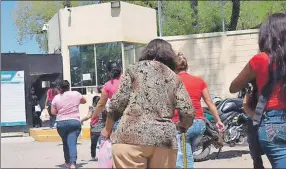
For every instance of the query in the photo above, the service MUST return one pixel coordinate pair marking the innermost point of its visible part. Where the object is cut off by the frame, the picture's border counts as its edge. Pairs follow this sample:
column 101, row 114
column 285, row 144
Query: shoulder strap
column 265, row 95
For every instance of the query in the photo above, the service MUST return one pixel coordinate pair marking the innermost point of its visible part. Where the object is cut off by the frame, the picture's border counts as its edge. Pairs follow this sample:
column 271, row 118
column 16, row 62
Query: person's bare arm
column 210, row 104
column 88, row 116
column 54, row 110
column 46, row 102
column 100, row 105
column 246, row 108
column 245, row 76
column 83, row 100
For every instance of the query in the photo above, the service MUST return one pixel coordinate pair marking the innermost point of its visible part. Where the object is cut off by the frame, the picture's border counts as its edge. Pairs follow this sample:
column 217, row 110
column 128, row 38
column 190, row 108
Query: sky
column 9, row 33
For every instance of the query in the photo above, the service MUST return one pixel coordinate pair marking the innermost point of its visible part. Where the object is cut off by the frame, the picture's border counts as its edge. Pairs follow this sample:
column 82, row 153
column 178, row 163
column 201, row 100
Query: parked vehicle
column 233, row 117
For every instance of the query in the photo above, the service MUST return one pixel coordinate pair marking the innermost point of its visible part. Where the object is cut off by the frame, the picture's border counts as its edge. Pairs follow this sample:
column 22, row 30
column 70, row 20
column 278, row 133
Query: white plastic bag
column 38, row 108
column 105, row 154
column 97, row 149
column 45, row 115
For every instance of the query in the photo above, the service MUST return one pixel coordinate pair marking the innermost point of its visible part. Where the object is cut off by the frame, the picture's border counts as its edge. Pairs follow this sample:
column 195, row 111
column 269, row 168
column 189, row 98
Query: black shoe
column 94, row 159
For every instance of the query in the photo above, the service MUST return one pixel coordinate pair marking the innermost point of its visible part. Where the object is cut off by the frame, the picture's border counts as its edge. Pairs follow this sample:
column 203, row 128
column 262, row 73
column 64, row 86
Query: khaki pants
column 136, row 156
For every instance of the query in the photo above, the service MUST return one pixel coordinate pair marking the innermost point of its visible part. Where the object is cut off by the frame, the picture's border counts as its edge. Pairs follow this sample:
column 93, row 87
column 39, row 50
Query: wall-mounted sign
column 13, row 111
column 86, row 76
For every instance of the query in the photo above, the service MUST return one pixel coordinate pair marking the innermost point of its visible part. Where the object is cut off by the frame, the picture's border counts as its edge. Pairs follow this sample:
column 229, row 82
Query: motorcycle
column 233, row 117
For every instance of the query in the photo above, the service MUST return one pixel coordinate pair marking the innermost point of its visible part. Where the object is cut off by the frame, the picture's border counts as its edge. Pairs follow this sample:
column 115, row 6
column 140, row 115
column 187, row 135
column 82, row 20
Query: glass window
column 138, row 51
column 82, row 66
column 129, row 54
column 88, row 64
column 105, row 53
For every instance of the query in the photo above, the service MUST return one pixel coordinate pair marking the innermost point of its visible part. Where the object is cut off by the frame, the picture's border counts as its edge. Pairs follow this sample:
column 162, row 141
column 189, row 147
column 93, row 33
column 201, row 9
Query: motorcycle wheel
column 201, row 154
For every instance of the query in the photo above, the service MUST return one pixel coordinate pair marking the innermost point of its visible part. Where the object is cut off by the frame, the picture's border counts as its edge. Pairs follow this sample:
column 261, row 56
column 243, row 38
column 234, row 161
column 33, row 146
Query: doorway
column 40, row 83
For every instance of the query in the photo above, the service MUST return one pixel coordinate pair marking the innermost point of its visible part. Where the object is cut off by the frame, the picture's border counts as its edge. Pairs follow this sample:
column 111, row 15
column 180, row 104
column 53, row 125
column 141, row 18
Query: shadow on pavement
column 228, row 154
column 77, row 165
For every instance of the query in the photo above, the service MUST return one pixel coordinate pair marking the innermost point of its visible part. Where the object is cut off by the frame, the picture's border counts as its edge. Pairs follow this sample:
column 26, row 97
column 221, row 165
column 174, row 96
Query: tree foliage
column 179, row 17
column 29, row 17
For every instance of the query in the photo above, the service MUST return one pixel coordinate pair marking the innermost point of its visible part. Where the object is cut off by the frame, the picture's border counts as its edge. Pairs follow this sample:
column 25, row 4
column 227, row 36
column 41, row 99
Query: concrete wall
column 217, row 57
column 54, row 34
column 139, row 24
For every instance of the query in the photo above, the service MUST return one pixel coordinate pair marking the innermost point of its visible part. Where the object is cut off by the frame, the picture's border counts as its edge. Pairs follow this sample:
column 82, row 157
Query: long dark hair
column 54, row 88
column 95, row 100
column 272, row 40
column 64, row 86
column 115, row 69
column 161, row 51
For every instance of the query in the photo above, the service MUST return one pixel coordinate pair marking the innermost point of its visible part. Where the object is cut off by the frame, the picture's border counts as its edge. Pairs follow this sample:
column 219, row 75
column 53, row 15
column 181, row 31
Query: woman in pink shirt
column 66, row 107
column 110, row 87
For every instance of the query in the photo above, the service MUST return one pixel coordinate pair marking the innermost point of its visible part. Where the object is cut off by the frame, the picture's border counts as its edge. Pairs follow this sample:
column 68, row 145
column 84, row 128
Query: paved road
column 24, row 152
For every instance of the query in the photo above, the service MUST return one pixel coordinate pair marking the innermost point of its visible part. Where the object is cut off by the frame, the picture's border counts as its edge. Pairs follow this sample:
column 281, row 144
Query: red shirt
column 259, row 64
column 176, row 116
column 194, row 86
column 50, row 94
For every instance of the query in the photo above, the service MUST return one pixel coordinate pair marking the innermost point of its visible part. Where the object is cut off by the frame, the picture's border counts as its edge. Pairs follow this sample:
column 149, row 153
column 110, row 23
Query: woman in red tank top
column 197, row 89
column 272, row 129
column 51, row 93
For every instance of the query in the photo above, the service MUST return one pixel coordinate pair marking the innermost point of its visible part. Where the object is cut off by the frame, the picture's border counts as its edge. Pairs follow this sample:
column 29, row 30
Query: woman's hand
column 246, row 108
column 245, row 100
column 220, row 126
column 105, row 134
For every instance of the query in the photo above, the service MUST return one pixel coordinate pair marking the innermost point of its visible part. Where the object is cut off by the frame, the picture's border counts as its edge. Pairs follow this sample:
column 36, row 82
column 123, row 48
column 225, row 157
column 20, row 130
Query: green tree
column 253, row 13
column 179, row 17
column 29, row 17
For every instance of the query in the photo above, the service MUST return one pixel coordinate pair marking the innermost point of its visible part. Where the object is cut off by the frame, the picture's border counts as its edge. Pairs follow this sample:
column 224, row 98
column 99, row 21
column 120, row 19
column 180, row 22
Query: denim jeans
column 69, row 131
column 254, row 146
column 193, row 136
column 272, row 137
column 115, row 125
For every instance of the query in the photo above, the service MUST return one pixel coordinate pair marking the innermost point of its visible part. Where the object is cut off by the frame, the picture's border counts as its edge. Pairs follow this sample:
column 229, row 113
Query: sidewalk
column 23, row 152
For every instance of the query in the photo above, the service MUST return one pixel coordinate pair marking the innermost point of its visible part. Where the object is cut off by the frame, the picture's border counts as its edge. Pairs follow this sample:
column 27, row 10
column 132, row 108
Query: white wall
column 54, row 34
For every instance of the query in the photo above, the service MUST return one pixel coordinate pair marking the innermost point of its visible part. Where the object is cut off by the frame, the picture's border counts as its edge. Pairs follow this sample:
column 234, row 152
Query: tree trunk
column 234, row 15
column 194, row 6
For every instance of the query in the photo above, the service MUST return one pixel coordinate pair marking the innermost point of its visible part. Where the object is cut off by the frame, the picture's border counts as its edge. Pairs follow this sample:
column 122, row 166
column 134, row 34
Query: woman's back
column 150, row 105
column 111, row 87
column 259, row 64
column 51, row 93
column 67, row 105
column 194, row 86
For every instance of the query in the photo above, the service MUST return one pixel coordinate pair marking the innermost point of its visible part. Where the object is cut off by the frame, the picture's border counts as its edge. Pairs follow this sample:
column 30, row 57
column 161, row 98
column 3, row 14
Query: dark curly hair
column 161, row 51
column 115, row 69
column 64, row 86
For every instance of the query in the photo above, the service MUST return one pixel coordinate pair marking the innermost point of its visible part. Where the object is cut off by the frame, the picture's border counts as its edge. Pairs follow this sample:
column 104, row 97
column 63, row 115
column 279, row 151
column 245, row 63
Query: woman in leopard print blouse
column 149, row 93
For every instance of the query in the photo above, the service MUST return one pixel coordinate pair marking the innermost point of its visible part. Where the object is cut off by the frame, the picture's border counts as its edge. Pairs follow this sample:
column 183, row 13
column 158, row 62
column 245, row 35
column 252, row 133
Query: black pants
column 94, row 136
column 254, row 146
column 36, row 119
